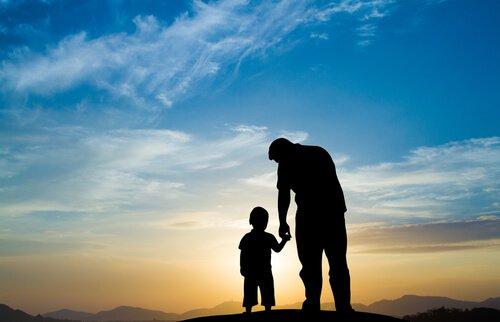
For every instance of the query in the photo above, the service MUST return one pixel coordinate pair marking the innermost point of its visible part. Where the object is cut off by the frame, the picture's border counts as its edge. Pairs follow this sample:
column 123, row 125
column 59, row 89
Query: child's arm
column 243, row 263
column 243, row 256
column 278, row 247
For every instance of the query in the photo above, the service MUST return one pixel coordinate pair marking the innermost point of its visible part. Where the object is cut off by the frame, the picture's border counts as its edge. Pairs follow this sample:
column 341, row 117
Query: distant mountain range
column 411, row 304
column 8, row 314
column 120, row 313
column 129, row 313
column 405, row 305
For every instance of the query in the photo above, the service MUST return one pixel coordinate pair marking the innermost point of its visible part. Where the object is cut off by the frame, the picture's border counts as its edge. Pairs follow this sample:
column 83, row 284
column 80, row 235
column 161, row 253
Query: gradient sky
column 134, row 135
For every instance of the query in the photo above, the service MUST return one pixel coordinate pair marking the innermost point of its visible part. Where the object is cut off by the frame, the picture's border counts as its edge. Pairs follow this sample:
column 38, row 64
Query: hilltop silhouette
column 66, row 314
column 8, row 314
column 297, row 315
column 456, row 315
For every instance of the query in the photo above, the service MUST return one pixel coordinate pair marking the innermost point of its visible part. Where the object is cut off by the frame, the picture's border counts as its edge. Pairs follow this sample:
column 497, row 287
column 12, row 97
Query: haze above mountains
column 405, row 305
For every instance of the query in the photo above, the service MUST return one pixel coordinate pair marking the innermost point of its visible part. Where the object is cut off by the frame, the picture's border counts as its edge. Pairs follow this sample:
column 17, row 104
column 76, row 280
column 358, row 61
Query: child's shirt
column 256, row 252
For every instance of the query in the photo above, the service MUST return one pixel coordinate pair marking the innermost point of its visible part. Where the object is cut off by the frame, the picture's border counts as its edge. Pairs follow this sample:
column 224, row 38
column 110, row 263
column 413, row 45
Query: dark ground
column 296, row 315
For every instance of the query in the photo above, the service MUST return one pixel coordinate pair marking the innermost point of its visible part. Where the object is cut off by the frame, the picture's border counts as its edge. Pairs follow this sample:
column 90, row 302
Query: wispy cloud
column 321, row 36
column 374, row 13
column 366, row 34
column 455, row 179
column 118, row 170
column 158, row 64
column 369, row 9
column 368, row 12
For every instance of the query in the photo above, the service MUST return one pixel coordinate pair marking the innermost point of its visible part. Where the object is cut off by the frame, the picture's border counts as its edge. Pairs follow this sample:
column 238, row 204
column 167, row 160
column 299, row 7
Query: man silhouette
column 320, row 224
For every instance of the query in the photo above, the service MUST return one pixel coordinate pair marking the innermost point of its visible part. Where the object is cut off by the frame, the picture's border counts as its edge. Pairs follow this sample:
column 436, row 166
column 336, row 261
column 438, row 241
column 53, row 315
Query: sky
column 134, row 136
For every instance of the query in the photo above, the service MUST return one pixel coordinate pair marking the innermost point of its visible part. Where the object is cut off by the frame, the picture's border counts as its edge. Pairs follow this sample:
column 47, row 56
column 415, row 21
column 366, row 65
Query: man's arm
column 283, row 204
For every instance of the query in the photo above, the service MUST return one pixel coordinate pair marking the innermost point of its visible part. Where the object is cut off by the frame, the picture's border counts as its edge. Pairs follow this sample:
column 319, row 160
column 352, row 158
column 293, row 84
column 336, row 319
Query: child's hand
column 286, row 237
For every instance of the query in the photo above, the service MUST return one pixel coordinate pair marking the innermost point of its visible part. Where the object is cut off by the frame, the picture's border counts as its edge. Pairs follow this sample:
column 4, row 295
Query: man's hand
column 284, row 231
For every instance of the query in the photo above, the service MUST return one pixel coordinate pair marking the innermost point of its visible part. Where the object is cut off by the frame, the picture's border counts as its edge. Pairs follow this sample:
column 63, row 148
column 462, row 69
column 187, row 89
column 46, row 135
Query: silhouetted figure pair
column 255, row 261
column 308, row 171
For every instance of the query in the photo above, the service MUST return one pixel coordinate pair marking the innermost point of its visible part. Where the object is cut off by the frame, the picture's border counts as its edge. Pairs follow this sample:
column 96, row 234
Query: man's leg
column 310, row 252
column 335, row 249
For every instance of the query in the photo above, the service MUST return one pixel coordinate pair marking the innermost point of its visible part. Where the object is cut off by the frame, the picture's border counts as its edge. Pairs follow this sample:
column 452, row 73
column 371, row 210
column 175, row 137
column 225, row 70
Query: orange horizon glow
column 97, row 281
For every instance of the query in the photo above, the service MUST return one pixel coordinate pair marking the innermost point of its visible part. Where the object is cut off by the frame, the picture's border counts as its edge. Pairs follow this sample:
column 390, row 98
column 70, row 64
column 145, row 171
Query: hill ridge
column 404, row 305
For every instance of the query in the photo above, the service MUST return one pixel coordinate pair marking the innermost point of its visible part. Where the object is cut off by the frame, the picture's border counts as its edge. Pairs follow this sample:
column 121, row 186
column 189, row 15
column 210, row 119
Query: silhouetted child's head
column 259, row 218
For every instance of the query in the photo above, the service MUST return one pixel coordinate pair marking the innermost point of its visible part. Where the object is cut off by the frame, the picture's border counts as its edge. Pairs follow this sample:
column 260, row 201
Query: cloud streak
column 117, row 170
column 430, row 237
column 457, row 179
column 157, row 64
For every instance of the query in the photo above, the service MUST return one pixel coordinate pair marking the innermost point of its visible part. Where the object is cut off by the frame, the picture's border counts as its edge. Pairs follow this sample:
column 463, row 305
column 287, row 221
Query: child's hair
column 259, row 217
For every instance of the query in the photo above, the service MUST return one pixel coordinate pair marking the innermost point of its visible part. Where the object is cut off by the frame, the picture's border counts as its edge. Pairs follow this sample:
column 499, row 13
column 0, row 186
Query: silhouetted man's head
column 280, row 149
column 259, row 218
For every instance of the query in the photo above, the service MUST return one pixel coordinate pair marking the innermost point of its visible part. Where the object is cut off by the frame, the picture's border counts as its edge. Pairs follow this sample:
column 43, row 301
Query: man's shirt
column 310, row 173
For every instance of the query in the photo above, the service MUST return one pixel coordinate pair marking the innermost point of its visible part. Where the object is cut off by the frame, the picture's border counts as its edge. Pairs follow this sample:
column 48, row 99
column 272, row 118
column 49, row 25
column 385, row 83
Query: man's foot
column 268, row 308
column 345, row 310
column 309, row 307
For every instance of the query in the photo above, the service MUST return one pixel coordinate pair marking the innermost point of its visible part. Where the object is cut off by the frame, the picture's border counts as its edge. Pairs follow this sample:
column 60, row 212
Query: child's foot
column 268, row 308
column 248, row 310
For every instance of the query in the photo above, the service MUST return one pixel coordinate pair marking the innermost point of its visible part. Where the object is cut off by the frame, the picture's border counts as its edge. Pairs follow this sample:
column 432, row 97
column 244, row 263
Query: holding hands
column 284, row 231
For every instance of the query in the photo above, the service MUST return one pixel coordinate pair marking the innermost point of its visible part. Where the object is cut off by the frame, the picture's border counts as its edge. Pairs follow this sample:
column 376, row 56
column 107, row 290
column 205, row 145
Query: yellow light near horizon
column 207, row 274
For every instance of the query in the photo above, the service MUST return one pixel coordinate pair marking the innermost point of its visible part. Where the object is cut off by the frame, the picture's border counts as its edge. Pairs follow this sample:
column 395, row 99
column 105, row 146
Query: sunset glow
column 134, row 141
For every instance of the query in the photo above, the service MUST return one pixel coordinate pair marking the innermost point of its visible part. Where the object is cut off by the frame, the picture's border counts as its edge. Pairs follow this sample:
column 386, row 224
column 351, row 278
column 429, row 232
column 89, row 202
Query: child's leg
column 266, row 285
column 249, row 293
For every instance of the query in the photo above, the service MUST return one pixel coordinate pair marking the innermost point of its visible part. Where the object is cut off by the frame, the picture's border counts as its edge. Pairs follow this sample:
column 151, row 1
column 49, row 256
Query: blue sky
column 122, row 122
column 422, row 74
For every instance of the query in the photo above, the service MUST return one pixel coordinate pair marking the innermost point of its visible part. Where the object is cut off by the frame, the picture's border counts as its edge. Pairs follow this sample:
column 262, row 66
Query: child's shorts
column 266, row 284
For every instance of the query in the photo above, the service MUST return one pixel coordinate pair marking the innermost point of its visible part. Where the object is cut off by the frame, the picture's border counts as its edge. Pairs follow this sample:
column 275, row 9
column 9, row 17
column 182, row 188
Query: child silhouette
column 255, row 261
